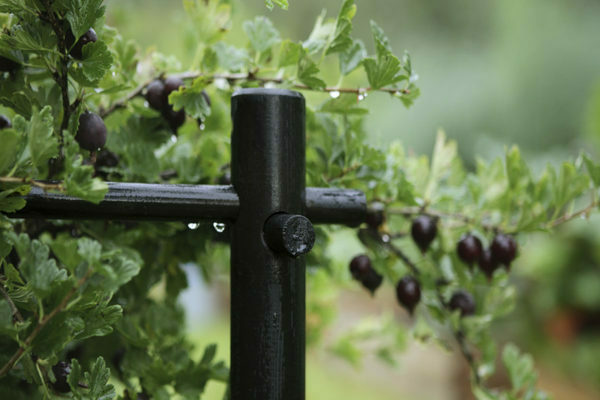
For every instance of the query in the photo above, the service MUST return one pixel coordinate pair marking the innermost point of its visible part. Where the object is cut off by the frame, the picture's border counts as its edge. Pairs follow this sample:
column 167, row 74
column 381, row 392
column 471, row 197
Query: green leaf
column 229, row 57
column 516, row 169
column 74, row 377
column 352, row 57
column 346, row 104
column 81, row 183
column 319, row 37
column 97, row 379
column 444, row 153
column 37, row 268
column 519, row 367
column 341, row 38
column 261, row 33
column 28, row 38
column 192, row 99
column 384, row 71
column 99, row 321
column 592, row 167
column 41, row 142
column 568, row 185
column 290, row 53
column 13, row 144
column 307, row 70
column 281, row 3
column 382, row 43
column 83, row 14
column 96, row 61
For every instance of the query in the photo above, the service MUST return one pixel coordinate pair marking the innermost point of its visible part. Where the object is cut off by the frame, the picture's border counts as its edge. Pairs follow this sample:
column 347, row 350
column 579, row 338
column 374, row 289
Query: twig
column 466, row 352
column 32, row 182
column 569, row 217
column 61, row 77
column 17, row 355
column 396, row 251
column 412, row 211
column 249, row 77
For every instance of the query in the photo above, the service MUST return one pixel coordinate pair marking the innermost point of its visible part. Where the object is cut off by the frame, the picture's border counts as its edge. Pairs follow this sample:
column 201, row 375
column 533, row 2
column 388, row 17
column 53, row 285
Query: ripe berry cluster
column 502, row 251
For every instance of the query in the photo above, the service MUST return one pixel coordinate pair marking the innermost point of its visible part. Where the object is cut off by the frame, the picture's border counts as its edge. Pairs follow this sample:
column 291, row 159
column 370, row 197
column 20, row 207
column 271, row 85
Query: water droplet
column 385, row 238
column 335, row 94
column 193, row 225
column 219, row 227
column 173, row 139
column 413, row 78
column 202, row 127
column 361, row 97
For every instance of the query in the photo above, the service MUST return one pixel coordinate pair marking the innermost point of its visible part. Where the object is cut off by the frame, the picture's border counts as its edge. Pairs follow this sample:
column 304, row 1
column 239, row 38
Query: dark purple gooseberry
column 408, row 292
column 463, row 301
column 469, row 249
column 487, row 263
column 155, row 95
column 8, row 65
column 360, row 266
column 4, row 122
column 423, row 231
column 371, row 281
column 61, row 371
column 91, row 134
column 504, row 249
column 88, row 37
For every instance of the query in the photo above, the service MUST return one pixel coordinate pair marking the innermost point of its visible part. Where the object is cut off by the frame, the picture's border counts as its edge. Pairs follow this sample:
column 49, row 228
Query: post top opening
column 267, row 92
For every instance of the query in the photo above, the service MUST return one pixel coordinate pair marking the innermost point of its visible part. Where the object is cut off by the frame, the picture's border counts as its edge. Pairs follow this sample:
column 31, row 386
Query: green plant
column 110, row 289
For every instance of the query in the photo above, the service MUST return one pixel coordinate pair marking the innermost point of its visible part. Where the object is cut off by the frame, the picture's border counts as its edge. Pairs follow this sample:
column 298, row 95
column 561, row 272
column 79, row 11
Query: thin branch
column 32, row 182
column 249, row 77
column 63, row 304
column 569, row 217
column 468, row 355
column 396, row 251
column 412, row 211
column 61, row 77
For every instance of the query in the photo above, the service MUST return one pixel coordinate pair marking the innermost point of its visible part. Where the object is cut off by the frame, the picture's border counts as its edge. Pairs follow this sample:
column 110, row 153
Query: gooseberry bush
column 89, row 309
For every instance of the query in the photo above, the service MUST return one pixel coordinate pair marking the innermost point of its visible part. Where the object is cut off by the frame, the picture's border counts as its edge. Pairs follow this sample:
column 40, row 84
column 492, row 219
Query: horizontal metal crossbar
column 189, row 203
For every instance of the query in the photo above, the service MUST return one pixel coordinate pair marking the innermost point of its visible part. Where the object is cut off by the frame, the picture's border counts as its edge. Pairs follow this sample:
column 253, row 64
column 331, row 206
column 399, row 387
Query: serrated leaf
column 97, row 379
column 444, row 153
column 96, row 61
column 307, row 70
column 37, row 268
column 384, row 71
column 290, row 53
column 382, row 43
column 593, row 169
column 519, row 367
column 74, row 376
column 81, row 183
column 229, row 57
column 99, row 321
column 83, row 14
column 192, row 99
column 27, row 38
column 261, row 33
column 346, row 104
column 319, row 37
column 41, row 142
column 341, row 38
column 351, row 58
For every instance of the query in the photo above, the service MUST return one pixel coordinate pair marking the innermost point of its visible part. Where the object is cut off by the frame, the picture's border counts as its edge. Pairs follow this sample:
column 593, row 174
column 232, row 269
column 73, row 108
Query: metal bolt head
column 291, row 234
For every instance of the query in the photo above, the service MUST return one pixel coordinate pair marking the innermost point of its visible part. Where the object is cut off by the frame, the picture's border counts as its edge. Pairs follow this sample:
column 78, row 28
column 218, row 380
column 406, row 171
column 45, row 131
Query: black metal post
column 267, row 287
column 189, row 203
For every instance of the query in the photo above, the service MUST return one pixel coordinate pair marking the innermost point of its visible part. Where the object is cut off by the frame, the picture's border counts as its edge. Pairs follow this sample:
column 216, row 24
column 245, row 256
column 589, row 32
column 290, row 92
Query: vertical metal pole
column 267, row 288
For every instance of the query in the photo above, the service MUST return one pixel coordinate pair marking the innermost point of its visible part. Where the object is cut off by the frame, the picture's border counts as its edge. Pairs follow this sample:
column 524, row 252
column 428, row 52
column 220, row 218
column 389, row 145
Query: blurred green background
column 491, row 73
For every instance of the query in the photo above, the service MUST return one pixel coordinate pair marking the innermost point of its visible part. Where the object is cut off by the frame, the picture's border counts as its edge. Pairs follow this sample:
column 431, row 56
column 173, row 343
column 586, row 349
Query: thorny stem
column 249, row 77
column 32, row 182
column 412, row 211
column 17, row 355
column 458, row 335
column 61, row 76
